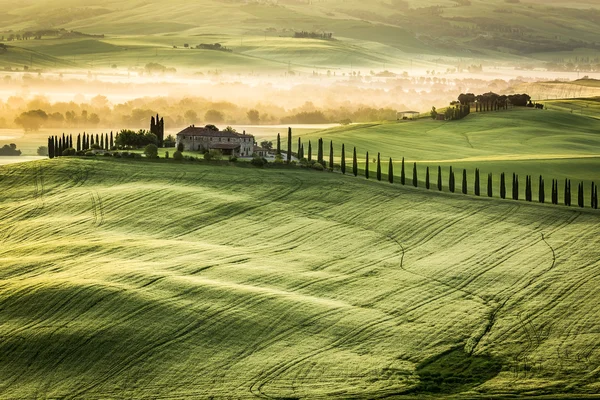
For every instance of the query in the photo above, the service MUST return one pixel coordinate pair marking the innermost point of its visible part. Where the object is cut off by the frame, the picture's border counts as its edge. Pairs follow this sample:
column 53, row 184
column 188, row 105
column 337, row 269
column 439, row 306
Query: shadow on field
column 455, row 371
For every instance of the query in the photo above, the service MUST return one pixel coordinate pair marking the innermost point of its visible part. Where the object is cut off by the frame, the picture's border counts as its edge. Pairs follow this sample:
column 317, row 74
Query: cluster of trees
column 313, row 35
column 492, row 102
column 213, row 46
column 34, row 120
column 10, row 150
column 127, row 139
column 63, row 146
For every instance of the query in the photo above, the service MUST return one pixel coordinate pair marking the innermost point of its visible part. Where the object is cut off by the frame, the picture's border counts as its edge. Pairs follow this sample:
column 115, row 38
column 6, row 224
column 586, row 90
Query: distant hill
column 393, row 31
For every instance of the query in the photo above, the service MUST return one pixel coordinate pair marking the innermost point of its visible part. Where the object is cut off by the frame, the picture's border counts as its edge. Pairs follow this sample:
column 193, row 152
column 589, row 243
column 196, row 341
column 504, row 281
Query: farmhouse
column 203, row 139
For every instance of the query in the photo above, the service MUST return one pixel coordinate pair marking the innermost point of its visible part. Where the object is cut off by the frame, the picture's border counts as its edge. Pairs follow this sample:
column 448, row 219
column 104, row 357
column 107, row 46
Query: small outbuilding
column 404, row 115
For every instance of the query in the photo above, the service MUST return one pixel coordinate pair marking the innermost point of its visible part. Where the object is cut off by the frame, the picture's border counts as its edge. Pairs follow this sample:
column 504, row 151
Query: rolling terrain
column 124, row 279
column 554, row 143
column 400, row 33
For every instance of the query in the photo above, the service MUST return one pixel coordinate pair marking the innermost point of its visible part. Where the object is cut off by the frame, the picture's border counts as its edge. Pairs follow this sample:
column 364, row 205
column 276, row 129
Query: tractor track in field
column 97, row 209
column 247, row 209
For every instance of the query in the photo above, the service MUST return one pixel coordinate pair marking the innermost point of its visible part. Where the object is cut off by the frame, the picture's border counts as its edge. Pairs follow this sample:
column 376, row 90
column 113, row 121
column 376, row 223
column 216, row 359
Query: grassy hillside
column 552, row 143
column 369, row 34
column 129, row 279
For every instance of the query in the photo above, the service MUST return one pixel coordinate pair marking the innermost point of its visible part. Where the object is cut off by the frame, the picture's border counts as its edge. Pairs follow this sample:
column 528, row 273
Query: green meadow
column 553, row 143
column 135, row 279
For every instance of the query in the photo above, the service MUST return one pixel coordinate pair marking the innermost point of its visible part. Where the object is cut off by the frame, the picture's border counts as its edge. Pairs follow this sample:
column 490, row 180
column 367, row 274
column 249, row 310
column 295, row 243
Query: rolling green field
column 553, row 143
column 133, row 279
column 403, row 34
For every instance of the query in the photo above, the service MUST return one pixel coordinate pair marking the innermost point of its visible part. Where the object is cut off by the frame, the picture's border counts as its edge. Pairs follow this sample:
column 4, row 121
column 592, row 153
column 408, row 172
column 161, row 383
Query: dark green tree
column 51, row 151
column 309, row 151
column 289, row 146
column 299, row 148
column 439, row 179
column 343, row 161
column 477, row 188
column 391, row 171
column 490, row 189
column 402, row 173
column 415, row 179
column 451, row 180
column 354, row 163
column 367, row 166
column 580, row 195
column 541, row 191
column 278, row 143
column 97, row 140
column 112, row 143
column 502, row 186
column 427, row 178
column 567, row 194
column 331, row 155
column 79, row 142
column 71, row 141
column 378, row 166
column 101, row 141
column 320, row 152
column 106, row 146
column 464, row 182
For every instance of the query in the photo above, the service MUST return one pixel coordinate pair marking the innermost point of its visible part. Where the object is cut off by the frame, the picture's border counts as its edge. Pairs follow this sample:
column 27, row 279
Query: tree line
column 465, row 185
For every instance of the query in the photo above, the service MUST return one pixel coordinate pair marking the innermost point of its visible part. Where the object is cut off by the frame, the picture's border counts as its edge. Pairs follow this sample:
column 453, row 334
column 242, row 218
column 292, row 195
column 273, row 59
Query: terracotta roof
column 201, row 131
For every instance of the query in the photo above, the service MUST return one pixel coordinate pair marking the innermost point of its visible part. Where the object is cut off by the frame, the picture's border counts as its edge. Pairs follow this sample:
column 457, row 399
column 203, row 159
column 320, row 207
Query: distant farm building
column 204, row 139
column 408, row 114
column 260, row 152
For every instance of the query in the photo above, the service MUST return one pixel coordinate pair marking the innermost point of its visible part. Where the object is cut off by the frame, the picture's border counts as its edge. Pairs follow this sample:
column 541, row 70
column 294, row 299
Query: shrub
column 116, row 155
column 151, row 151
column 178, row 156
column 107, row 154
column 90, row 154
column 213, row 155
column 69, row 152
column 278, row 159
column 95, row 147
column 42, row 151
column 125, row 154
column 318, row 166
column 233, row 159
column 180, row 147
column 258, row 162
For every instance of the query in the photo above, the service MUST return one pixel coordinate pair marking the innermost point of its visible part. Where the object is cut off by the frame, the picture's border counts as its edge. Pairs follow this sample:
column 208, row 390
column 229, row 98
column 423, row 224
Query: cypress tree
column 354, row 163
column 343, row 161
column 63, row 143
column 320, row 151
column 278, row 143
column 367, row 166
column 309, row 151
column 391, row 172
column 515, row 187
column 451, row 180
column 502, row 186
column 527, row 188
column 112, row 144
column 79, row 142
column 596, row 197
column 439, row 179
column 415, row 180
column 477, row 188
column 71, row 141
column 299, row 148
column 402, row 173
column 464, row 182
column 580, row 195
column 97, row 140
column 302, row 151
column 541, row 191
column 51, row 152
column 91, row 140
column 56, row 148
column 101, row 141
column 490, row 190
column 378, row 166
column 567, row 194
column 331, row 155
column 289, row 146
column 592, row 196
column 427, row 178
column 106, row 142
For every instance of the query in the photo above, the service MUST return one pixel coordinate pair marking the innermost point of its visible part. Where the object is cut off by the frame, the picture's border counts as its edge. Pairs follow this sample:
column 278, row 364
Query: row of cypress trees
column 59, row 146
column 464, row 183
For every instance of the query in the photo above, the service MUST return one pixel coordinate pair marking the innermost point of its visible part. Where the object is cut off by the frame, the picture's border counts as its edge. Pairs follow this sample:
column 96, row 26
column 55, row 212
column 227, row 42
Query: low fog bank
column 54, row 100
